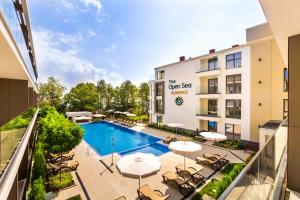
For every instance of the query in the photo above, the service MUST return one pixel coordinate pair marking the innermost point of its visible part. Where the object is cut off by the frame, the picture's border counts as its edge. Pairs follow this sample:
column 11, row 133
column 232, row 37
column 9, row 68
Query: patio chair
column 214, row 164
column 194, row 174
column 146, row 192
column 169, row 139
column 66, row 156
column 182, row 184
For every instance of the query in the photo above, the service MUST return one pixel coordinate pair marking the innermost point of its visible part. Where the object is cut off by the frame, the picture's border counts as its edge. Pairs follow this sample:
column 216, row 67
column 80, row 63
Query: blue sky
column 86, row 40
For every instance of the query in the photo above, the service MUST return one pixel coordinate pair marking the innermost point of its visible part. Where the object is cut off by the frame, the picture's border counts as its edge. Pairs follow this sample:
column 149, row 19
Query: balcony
column 210, row 92
column 16, row 141
column 264, row 176
column 209, row 115
column 204, row 70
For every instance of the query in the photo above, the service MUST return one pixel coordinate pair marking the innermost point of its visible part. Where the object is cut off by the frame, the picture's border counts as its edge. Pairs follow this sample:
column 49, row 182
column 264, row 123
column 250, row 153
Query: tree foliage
column 37, row 191
column 39, row 164
column 59, row 134
column 51, row 93
column 83, row 97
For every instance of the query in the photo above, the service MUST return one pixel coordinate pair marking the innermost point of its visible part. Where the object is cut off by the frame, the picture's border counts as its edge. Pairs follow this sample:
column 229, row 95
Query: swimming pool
column 99, row 136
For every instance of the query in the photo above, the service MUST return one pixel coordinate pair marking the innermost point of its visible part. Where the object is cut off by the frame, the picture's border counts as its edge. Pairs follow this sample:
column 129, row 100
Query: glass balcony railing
column 264, row 173
column 10, row 15
column 212, row 112
column 11, row 134
column 209, row 90
column 205, row 68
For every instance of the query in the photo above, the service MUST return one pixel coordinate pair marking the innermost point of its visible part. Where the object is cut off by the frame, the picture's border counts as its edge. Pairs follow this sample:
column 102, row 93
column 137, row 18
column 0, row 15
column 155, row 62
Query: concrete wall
column 14, row 98
column 266, row 85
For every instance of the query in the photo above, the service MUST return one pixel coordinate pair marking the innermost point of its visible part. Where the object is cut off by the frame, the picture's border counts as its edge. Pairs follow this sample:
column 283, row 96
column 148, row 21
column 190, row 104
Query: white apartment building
column 222, row 91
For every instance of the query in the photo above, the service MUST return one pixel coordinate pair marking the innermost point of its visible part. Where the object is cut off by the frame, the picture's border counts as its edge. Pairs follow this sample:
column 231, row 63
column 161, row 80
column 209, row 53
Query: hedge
column 39, row 163
column 55, row 183
column 188, row 133
column 37, row 191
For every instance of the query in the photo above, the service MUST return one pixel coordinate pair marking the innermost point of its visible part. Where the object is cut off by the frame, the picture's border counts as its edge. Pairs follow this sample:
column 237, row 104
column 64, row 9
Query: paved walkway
column 100, row 183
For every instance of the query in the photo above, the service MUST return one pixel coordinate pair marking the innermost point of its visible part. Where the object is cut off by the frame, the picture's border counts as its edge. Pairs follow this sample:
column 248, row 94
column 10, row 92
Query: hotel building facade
column 18, row 92
column 232, row 91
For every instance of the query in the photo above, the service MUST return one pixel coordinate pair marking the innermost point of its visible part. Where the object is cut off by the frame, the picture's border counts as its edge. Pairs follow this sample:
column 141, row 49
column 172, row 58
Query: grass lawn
column 140, row 117
column 55, row 184
column 77, row 197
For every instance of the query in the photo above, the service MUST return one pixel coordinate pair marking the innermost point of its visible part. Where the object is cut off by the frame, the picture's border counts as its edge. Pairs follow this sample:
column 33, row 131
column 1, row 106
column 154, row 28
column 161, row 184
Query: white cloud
column 111, row 48
column 67, row 65
column 96, row 3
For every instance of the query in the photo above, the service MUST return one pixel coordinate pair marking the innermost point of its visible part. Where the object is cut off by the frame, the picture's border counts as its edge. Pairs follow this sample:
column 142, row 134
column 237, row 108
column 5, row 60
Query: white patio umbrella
column 214, row 136
column 139, row 164
column 184, row 147
column 130, row 115
column 175, row 125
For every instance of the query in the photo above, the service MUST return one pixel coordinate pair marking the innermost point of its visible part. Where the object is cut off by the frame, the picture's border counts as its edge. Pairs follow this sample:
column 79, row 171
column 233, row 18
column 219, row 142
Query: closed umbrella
column 138, row 165
column 184, row 147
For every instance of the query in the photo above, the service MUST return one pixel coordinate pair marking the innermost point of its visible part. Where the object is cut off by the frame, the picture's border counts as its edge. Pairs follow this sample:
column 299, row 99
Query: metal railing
column 262, row 177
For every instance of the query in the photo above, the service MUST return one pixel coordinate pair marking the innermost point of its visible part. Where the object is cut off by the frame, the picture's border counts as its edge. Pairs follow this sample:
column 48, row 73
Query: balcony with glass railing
column 7, row 10
column 211, row 112
column 11, row 135
column 263, row 177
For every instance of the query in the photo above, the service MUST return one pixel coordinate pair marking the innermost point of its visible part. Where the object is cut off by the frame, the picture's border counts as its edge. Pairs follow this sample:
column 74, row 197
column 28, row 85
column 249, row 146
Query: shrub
column 39, row 164
column 197, row 196
column 230, row 144
column 77, row 197
column 55, row 184
column 37, row 191
column 188, row 133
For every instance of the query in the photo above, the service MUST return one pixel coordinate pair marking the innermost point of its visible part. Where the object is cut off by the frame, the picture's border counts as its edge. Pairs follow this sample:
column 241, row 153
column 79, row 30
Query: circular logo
column 179, row 101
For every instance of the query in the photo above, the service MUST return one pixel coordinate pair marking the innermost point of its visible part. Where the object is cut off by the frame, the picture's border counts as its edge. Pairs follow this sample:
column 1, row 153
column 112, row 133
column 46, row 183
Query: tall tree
column 83, row 97
column 51, row 93
column 143, row 97
column 128, row 95
column 101, row 88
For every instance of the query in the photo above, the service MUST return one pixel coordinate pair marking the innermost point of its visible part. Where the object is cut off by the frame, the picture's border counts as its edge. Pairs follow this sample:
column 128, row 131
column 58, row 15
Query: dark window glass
column 159, row 89
column 233, row 108
column 212, row 86
column 159, row 106
column 233, row 130
column 285, row 80
column 234, row 60
column 212, row 126
column 212, row 64
column 233, row 84
column 212, row 107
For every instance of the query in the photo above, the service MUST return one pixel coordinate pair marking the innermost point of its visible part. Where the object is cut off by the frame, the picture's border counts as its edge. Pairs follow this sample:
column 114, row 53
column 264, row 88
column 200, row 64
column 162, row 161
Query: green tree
column 143, row 98
column 51, row 93
column 127, row 95
column 59, row 134
column 39, row 164
column 83, row 97
column 109, row 98
column 101, row 89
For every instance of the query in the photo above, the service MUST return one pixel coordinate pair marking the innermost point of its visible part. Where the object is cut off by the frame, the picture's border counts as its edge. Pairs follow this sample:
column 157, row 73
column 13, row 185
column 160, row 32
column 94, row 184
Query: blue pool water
column 99, row 136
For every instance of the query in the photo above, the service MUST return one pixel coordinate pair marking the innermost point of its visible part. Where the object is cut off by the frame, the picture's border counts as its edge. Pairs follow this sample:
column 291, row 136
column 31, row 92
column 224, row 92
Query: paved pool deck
column 100, row 183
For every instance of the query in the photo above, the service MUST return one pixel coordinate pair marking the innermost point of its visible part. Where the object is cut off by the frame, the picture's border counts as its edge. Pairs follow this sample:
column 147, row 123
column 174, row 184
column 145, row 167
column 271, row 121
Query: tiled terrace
column 100, row 183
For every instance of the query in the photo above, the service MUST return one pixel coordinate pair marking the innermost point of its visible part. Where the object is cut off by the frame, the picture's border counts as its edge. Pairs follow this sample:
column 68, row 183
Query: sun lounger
column 191, row 172
column 215, row 165
column 54, row 168
column 169, row 139
column 146, row 192
column 182, row 184
column 218, row 157
column 66, row 156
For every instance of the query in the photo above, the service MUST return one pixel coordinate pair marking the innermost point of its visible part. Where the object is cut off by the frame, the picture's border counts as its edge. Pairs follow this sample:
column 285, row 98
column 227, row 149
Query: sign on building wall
column 178, row 88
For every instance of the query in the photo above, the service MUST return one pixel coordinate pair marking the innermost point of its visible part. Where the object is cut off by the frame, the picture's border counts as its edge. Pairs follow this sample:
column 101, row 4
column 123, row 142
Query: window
column 234, row 84
column 213, row 86
column 160, row 75
column 285, row 108
column 212, row 126
column 233, row 108
column 159, row 107
column 212, row 64
column 233, row 131
column 234, row 60
column 212, row 107
column 285, row 80
column 159, row 89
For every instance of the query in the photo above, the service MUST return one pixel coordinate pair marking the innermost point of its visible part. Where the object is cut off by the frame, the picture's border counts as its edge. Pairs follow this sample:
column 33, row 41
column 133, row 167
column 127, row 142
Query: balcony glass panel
column 11, row 134
column 8, row 11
